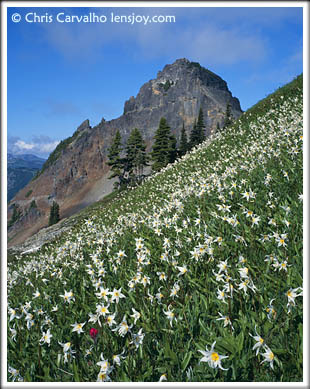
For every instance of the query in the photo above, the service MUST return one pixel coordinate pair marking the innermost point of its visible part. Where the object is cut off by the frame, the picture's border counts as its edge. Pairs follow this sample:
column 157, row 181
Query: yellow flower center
column 261, row 340
column 215, row 357
column 271, row 355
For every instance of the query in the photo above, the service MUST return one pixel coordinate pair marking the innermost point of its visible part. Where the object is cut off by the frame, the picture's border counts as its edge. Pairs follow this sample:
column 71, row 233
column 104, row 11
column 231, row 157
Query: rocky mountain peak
column 75, row 175
column 83, row 126
column 183, row 68
column 182, row 80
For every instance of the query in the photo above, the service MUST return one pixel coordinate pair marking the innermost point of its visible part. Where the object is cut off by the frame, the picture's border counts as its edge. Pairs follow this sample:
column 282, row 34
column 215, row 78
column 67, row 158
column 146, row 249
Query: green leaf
column 186, row 360
column 239, row 340
column 76, row 373
column 204, row 300
column 207, row 332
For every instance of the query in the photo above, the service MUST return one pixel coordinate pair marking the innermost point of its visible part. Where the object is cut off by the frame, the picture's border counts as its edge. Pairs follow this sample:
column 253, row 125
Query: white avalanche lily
column 212, row 357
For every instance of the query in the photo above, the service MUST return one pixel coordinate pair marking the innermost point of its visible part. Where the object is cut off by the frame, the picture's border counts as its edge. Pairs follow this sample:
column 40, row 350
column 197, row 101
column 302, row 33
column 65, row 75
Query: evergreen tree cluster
column 127, row 162
column 128, row 168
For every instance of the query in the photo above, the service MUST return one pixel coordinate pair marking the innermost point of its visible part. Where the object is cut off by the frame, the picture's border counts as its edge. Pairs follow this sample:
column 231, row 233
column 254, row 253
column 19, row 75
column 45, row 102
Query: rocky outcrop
column 76, row 172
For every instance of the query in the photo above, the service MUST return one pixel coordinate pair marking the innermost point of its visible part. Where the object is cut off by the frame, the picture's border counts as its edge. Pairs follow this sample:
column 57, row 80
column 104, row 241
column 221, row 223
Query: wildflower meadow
column 196, row 275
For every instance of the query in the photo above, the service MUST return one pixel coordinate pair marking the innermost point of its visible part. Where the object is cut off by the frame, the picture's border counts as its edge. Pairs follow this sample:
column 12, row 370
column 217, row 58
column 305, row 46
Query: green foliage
column 17, row 214
column 33, row 204
column 136, row 156
column 228, row 120
column 184, row 146
column 54, row 214
column 53, row 157
column 166, row 85
column 164, row 147
column 197, row 135
column 196, row 65
column 114, row 154
column 173, row 148
column 28, row 193
column 231, row 214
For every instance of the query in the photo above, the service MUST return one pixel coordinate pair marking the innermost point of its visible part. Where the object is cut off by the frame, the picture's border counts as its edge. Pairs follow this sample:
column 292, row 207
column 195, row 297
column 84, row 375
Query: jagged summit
column 183, row 87
column 184, row 66
column 75, row 175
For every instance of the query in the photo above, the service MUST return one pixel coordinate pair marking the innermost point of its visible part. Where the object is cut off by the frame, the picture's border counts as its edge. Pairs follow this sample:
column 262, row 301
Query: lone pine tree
column 164, row 147
column 115, row 161
column 228, row 116
column 197, row 135
column 183, row 142
column 136, row 157
column 54, row 214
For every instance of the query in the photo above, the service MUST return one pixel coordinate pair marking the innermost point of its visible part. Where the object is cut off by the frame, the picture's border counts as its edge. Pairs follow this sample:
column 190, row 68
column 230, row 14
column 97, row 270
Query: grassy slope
column 226, row 201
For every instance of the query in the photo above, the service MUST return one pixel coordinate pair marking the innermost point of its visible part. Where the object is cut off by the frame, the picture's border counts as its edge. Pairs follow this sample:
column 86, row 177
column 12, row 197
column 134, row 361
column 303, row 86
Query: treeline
column 129, row 161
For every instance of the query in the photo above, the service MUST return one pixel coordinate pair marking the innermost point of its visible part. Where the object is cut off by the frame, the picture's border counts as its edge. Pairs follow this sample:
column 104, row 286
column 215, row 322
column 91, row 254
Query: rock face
column 75, row 174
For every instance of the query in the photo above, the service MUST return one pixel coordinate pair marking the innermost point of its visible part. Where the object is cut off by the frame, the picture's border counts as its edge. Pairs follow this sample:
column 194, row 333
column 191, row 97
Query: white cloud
column 40, row 145
column 20, row 144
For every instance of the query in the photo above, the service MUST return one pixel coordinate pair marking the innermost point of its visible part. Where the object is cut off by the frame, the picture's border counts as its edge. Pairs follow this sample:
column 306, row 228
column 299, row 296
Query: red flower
column 93, row 333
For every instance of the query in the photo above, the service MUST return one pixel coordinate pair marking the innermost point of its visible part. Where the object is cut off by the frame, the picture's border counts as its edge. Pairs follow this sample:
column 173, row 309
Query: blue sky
column 60, row 74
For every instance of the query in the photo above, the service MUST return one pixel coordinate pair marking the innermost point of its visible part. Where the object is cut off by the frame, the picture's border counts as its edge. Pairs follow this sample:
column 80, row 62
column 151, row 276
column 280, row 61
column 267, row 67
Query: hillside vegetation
column 195, row 275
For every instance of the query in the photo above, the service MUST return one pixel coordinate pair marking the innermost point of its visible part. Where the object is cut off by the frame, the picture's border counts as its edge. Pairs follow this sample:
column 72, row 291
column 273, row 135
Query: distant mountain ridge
column 21, row 169
column 75, row 174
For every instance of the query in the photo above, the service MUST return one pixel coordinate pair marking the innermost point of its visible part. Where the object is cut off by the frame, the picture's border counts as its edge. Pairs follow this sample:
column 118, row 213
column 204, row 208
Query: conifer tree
column 193, row 138
column 228, row 116
column 200, row 127
column 136, row 157
column 164, row 147
column 183, row 142
column 54, row 214
column 115, row 160
column 197, row 135
column 173, row 153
